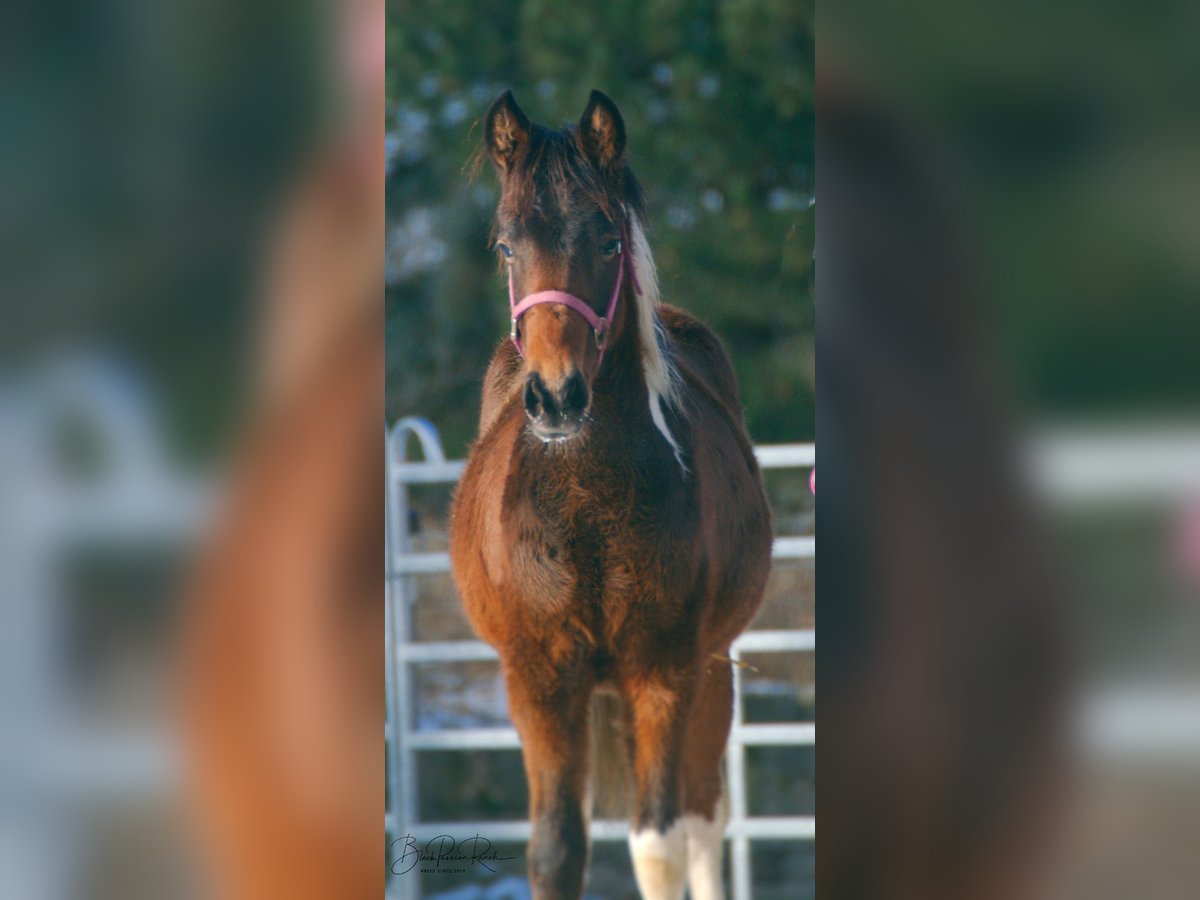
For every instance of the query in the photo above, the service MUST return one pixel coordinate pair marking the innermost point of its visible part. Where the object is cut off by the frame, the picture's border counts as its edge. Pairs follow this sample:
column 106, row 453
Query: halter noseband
column 600, row 324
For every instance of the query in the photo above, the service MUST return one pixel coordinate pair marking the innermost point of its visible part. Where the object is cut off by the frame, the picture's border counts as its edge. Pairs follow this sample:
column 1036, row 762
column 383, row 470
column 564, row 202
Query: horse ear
column 603, row 131
column 506, row 131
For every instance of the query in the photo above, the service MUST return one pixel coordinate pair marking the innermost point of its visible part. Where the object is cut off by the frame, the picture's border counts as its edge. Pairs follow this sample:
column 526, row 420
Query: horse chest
column 580, row 552
column 558, row 561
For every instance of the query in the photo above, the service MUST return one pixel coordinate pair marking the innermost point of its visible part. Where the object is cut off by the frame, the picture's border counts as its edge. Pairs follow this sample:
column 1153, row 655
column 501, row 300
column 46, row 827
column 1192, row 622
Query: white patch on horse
column 660, row 862
column 587, row 807
column 705, row 845
column 662, row 382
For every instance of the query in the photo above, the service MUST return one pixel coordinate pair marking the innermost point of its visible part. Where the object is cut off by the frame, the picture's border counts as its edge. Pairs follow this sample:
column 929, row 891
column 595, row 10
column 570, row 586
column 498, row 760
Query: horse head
column 562, row 231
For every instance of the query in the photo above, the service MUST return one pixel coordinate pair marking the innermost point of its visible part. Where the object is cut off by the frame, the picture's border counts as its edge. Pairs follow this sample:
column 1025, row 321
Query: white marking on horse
column 660, row 862
column 705, row 845
column 662, row 382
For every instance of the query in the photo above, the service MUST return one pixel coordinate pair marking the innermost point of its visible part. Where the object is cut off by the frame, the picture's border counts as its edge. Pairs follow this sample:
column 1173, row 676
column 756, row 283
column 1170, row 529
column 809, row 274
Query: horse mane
column 658, row 368
column 555, row 161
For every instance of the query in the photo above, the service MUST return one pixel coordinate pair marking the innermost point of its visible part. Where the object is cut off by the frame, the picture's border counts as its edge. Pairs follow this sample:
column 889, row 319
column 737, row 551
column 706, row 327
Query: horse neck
column 621, row 376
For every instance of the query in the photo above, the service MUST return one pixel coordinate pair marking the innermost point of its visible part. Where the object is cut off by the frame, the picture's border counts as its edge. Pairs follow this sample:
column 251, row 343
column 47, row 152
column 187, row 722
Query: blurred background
column 152, row 155
column 1010, row 449
column 718, row 103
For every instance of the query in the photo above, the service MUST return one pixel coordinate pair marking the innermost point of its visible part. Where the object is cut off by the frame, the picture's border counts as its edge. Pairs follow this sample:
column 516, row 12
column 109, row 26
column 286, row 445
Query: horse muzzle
column 556, row 413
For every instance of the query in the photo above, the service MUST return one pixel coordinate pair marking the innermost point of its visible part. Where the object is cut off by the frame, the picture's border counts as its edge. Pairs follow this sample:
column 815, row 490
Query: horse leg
column 551, row 716
column 659, row 703
column 705, row 812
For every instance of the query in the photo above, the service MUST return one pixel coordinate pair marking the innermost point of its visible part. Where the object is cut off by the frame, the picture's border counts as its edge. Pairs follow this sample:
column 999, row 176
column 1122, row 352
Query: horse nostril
column 537, row 398
column 574, row 395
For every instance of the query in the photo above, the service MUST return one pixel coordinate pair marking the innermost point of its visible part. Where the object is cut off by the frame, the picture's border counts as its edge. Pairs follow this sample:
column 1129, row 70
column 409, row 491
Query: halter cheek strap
column 600, row 324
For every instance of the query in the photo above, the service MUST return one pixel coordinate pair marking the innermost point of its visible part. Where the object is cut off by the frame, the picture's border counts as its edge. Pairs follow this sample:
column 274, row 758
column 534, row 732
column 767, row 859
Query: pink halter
column 600, row 324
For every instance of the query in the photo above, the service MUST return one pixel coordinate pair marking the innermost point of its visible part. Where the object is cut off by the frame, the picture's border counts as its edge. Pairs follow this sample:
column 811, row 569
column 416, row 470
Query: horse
column 610, row 533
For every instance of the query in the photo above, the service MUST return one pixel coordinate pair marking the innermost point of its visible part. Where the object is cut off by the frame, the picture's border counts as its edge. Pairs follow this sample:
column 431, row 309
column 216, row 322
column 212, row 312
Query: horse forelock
column 554, row 176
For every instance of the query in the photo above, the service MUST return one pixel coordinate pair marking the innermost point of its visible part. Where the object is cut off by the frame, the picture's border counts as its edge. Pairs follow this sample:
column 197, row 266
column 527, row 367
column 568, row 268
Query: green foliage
column 718, row 104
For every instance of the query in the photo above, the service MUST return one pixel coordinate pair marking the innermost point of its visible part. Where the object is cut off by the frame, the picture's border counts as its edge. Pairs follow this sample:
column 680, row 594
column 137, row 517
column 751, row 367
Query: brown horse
column 611, row 529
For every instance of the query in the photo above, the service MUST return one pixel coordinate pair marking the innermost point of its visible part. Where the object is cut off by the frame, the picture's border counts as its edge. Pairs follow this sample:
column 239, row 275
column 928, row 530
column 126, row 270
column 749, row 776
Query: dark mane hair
column 556, row 163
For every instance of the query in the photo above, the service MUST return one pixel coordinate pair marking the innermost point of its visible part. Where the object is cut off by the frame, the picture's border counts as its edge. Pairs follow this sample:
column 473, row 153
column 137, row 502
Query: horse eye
column 506, row 250
column 610, row 248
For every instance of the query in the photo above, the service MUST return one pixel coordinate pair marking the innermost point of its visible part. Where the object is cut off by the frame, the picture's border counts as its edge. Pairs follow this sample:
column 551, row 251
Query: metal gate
column 404, row 653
